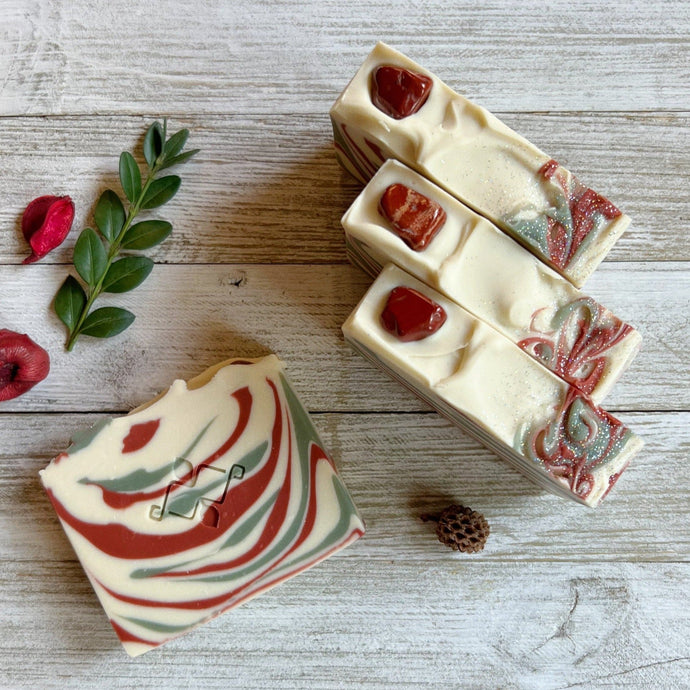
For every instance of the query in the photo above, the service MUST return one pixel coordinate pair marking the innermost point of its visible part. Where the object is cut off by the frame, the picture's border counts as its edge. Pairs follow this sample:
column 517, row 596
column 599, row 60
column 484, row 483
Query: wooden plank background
column 562, row 596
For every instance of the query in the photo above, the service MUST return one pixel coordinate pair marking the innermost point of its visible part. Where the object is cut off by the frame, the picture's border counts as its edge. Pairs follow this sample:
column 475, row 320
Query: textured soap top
column 470, row 260
column 212, row 493
column 491, row 388
column 417, row 119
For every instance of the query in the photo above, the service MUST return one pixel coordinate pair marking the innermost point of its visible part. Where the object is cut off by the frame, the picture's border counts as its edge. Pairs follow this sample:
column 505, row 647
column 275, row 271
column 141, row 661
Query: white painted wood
column 349, row 622
column 562, row 596
column 191, row 316
column 269, row 190
column 399, row 466
column 66, row 57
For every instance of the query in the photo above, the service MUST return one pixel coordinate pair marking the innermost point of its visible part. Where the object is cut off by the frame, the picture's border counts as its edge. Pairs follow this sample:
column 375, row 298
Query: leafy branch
column 97, row 253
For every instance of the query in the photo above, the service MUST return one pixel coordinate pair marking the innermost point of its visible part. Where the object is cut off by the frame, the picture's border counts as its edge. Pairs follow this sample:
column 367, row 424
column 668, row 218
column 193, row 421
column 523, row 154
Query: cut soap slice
column 476, row 158
column 475, row 264
column 208, row 495
column 488, row 386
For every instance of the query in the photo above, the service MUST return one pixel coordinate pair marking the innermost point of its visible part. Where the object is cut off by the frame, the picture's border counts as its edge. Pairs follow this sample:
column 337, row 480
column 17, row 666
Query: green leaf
column 153, row 143
column 109, row 215
column 107, row 322
column 169, row 162
column 130, row 177
column 161, row 191
column 69, row 302
column 147, row 234
column 90, row 258
column 125, row 274
column 176, row 143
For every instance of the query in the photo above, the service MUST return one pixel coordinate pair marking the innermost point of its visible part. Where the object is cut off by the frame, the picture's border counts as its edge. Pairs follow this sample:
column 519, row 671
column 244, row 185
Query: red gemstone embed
column 414, row 217
column 410, row 315
column 398, row 92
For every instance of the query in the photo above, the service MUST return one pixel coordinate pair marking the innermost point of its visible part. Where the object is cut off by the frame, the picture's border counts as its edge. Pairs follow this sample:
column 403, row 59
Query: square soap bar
column 393, row 108
column 470, row 260
column 488, row 386
column 208, row 495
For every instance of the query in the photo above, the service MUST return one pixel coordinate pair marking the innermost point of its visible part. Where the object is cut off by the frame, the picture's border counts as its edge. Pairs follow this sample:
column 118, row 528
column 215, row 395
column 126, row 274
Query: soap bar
column 393, row 108
column 475, row 264
column 488, row 386
column 212, row 493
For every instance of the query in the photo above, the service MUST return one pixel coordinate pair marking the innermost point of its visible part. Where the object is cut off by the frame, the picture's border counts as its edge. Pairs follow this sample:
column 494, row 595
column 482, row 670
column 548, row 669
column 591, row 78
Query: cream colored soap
column 488, row 386
column 475, row 157
column 475, row 264
column 194, row 503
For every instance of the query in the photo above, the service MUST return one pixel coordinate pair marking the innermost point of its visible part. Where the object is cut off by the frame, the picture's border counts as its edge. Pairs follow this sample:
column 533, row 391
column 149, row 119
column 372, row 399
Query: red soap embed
column 398, row 92
column 414, row 217
column 410, row 315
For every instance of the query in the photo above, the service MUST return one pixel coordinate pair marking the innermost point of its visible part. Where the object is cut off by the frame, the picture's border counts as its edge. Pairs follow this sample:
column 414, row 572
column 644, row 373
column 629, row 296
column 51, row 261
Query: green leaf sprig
column 97, row 253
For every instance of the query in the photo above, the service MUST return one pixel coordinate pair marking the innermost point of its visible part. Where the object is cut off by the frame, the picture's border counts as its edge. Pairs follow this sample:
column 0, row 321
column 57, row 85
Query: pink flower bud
column 23, row 364
column 46, row 223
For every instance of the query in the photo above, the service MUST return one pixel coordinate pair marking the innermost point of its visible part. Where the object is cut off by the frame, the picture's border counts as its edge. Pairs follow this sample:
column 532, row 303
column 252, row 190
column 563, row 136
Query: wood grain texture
column 268, row 189
column 400, row 466
column 190, row 317
column 62, row 57
column 562, row 596
column 441, row 624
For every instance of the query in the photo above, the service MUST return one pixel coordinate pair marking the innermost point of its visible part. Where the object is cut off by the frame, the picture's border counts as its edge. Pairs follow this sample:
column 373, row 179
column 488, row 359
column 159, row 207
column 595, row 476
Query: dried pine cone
column 461, row 528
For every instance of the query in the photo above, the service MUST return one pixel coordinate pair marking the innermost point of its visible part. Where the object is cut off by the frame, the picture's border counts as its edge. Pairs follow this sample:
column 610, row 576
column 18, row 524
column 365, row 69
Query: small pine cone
column 463, row 529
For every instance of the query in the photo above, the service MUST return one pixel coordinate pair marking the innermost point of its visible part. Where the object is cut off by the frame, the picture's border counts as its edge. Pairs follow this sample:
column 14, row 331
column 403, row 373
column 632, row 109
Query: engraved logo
column 183, row 498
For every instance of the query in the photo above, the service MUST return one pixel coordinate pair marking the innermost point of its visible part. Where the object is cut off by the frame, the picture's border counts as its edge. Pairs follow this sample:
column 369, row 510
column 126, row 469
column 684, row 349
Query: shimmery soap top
column 488, row 273
column 478, row 159
column 491, row 388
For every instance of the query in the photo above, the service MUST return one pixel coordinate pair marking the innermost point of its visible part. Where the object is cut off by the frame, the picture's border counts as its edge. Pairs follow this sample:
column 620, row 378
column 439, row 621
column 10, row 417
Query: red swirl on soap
column 415, row 218
column 140, row 435
column 398, row 92
column 410, row 315
column 565, row 236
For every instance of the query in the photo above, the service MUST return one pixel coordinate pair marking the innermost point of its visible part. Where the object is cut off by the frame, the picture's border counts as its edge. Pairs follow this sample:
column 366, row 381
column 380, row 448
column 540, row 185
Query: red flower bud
column 23, row 364
column 45, row 224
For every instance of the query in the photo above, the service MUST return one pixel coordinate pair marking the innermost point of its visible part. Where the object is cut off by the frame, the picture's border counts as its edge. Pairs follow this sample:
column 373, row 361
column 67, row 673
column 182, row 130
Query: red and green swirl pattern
column 577, row 446
column 177, row 522
column 578, row 342
column 575, row 217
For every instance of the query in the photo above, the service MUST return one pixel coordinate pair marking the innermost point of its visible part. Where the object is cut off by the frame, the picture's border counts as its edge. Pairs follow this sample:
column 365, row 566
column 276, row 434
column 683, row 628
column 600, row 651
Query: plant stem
column 112, row 253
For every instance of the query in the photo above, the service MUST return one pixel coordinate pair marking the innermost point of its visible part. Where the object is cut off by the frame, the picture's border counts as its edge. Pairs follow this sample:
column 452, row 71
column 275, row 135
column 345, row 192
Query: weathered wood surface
column 191, row 316
column 446, row 623
column 400, row 466
column 270, row 190
column 65, row 57
column 562, row 596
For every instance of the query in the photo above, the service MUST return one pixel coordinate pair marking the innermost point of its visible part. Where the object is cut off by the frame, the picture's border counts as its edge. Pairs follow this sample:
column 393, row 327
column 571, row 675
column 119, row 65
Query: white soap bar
column 475, row 264
column 475, row 157
column 488, row 386
column 214, row 492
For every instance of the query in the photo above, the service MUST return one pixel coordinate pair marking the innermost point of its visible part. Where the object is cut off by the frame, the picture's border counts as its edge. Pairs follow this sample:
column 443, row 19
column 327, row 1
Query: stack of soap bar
column 402, row 217
column 481, row 381
column 393, row 108
column 212, row 493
